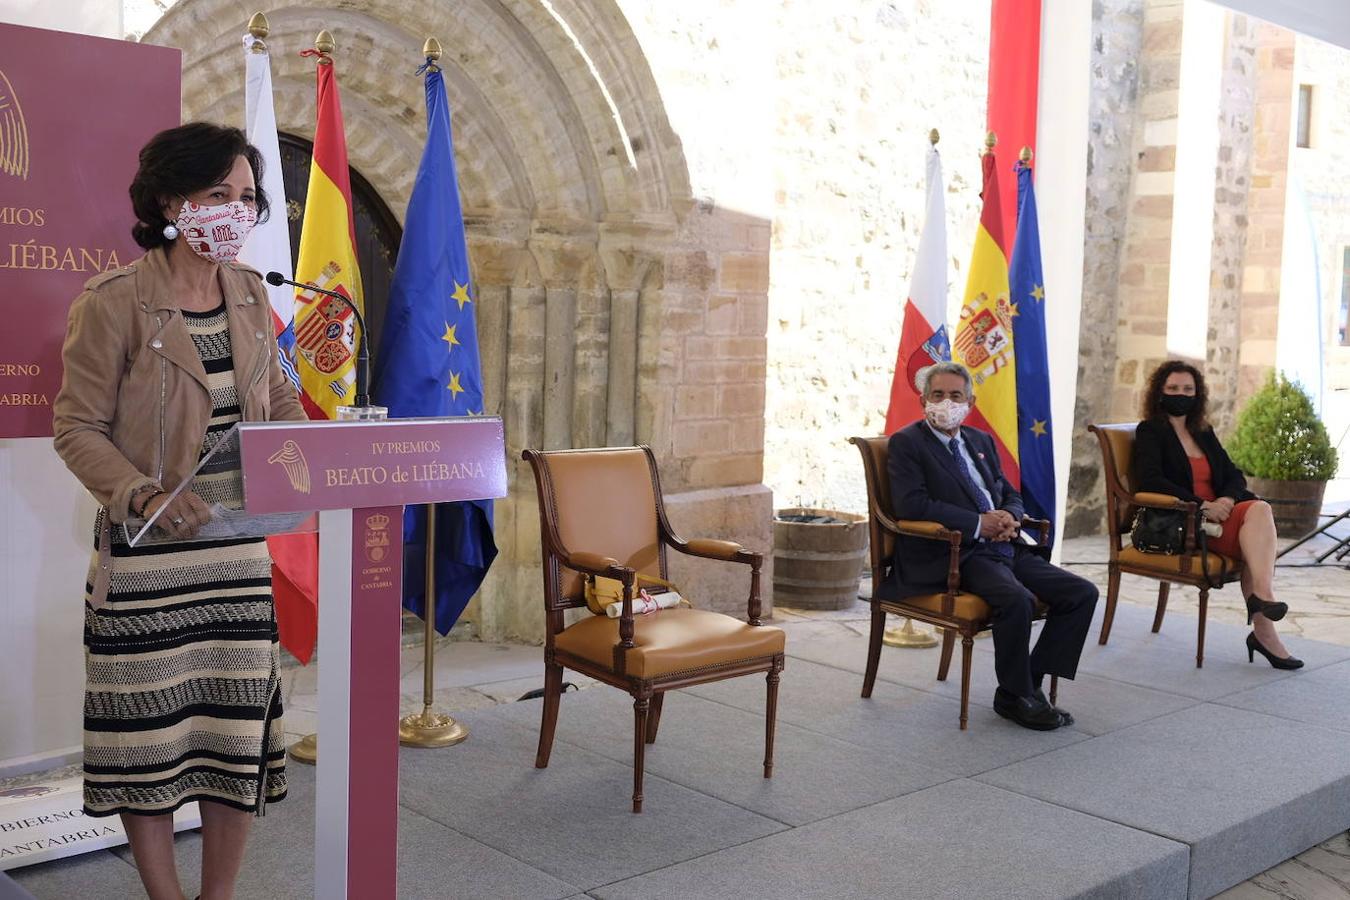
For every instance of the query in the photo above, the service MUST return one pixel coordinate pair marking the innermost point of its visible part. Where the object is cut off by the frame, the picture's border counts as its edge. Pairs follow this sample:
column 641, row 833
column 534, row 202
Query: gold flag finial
column 259, row 28
column 990, row 142
column 325, row 45
column 432, row 49
column 1025, row 155
column 933, row 137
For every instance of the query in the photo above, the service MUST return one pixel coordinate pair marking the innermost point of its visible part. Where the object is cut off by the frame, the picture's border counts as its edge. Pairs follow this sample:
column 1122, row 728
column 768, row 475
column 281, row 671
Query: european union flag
column 1036, row 451
column 428, row 364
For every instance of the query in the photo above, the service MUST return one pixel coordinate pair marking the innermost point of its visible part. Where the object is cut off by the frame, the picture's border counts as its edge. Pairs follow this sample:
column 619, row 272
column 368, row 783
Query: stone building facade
column 693, row 224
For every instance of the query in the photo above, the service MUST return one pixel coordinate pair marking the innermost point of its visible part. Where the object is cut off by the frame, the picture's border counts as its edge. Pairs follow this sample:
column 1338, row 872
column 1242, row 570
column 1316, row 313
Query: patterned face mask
column 216, row 233
column 947, row 415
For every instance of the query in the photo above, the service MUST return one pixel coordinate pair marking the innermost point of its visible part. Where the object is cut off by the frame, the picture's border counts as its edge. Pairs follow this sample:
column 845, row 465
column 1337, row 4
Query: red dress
column 1225, row 544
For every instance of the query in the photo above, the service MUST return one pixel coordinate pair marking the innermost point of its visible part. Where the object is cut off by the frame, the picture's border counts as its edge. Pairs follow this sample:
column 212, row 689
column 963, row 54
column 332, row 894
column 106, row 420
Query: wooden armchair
column 601, row 513
column 1117, row 445
column 954, row 611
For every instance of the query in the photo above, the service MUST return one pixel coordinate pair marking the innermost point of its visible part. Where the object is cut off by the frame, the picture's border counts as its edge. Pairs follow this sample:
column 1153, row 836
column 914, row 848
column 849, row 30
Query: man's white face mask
column 946, row 415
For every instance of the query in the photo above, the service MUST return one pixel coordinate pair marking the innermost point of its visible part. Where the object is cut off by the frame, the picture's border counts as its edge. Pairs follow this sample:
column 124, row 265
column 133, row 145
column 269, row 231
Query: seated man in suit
column 943, row 472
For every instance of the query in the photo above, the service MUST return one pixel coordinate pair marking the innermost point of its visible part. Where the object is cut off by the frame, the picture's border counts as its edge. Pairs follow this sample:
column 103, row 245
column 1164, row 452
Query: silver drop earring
column 171, row 232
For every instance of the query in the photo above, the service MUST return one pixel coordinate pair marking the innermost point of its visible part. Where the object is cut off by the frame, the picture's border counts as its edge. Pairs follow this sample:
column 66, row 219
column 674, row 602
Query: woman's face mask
column 1178, row 404
column 216, row 233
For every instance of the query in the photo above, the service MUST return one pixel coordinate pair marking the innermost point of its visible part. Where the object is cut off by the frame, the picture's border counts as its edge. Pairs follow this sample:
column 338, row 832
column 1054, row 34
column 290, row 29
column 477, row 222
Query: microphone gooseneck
column 362, row 349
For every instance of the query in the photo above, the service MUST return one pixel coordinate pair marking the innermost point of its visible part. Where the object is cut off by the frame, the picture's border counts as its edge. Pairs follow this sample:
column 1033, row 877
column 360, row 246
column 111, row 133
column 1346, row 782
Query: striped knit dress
column 182, row 700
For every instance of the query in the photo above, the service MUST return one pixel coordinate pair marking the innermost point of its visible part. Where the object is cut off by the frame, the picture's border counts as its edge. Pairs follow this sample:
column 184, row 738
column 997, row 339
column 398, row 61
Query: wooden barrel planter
column 818, row 557
column 1296, row 504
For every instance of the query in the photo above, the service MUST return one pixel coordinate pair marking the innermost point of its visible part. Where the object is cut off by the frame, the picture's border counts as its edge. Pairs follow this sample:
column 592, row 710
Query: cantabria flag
column 924, row 338
column 984, row 336
column 324, row 327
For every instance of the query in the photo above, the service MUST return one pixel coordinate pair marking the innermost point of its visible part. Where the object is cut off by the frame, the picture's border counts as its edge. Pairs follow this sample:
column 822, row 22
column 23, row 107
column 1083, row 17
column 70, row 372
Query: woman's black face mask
column 1178, row 404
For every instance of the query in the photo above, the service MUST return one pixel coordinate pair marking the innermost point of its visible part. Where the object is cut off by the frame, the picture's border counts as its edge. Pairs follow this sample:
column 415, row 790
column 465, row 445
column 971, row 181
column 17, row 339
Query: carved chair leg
column 874, row 648
column 552, row 697
column 1054, row 689
column 654, row 717
column 945, row 661
column 770, row 721
column 1112, row 594
column 967, row 644
column 640, row 707
column 1163, row 590
column 1200, row 636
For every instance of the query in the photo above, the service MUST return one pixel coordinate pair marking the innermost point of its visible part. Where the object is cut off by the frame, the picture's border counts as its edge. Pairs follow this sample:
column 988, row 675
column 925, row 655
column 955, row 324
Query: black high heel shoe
column 1272, row 611
column 1254, row 647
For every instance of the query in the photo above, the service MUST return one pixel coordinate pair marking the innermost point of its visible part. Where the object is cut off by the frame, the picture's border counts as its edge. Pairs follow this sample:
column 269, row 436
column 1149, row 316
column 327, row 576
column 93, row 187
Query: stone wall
column 858, row 86
column 1117, row 39
column 620, row 289
column 1324, row 170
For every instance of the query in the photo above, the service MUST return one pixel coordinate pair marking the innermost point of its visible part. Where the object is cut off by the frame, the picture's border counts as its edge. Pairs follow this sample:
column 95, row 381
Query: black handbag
column 1160, row 531
column 1164, row 531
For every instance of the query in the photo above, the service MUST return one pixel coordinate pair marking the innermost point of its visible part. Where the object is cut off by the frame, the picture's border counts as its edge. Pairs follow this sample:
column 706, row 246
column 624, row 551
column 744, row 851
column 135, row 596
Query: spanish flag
column 984, row 334
column 324, row 327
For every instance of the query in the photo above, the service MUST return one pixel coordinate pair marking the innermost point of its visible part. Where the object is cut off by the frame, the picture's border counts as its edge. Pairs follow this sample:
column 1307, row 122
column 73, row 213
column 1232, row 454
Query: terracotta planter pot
column 1295, row 503
column 816, row 565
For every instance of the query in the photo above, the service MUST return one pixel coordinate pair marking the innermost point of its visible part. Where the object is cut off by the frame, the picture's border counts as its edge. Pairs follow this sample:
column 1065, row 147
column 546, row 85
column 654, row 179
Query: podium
column 358, row 476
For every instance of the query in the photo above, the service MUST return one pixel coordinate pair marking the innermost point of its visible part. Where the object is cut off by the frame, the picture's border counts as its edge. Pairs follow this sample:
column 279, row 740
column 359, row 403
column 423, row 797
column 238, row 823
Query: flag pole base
column 909, row 636
column 430, row 729
column 306, row 750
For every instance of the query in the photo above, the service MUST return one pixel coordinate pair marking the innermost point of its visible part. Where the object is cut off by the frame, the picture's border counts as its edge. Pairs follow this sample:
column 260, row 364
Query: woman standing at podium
column 182, row 700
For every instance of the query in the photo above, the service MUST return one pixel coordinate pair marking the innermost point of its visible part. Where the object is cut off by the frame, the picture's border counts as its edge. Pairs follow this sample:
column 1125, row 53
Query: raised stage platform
column 1175, row 782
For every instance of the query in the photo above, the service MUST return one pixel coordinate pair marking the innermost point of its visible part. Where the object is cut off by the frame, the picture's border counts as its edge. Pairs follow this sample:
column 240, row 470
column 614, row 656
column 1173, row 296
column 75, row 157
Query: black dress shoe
column 1065, row 717
column 1029, row 712
column 1272, row 611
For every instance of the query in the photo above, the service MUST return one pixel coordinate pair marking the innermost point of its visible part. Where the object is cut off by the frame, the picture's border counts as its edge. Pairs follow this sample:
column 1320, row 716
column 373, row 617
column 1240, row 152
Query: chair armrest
column 1040, row 526
column 710, row 548
column 1161, row 501
column 933, row 531
column 595, row 564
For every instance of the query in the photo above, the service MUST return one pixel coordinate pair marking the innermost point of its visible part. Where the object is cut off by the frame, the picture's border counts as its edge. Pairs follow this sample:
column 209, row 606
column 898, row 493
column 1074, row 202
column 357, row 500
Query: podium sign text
column 295, row 467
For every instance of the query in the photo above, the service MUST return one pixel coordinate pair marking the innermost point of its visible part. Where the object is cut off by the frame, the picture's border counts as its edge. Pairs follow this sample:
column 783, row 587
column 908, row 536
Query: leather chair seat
column 671, row 641
column 1215, row 565
column 964, row 606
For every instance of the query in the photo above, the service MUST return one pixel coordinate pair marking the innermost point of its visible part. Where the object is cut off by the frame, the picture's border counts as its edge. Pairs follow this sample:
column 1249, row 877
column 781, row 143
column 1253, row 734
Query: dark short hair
column 1197, row 420
column 182, row 161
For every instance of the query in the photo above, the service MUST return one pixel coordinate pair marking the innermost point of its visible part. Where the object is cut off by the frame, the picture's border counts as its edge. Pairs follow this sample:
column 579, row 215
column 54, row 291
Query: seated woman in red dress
column 1177, row 453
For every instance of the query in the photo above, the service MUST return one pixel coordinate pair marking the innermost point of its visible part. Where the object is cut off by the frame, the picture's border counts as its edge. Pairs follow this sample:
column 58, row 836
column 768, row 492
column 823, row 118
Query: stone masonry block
column 746, row 273
column 697, row 438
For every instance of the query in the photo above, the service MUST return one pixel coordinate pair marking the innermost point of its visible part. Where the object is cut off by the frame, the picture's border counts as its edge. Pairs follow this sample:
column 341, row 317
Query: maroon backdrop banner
column 74, row 113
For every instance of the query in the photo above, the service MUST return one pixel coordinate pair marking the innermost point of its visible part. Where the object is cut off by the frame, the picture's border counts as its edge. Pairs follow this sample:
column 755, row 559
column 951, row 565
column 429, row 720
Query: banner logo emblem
column 293, row 461
column 13, row 132
column 377, row 537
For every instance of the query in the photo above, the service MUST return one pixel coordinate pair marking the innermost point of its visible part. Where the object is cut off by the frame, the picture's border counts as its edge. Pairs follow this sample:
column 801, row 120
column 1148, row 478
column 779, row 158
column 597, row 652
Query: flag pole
column 907, row 635
column 306, row 750
column 430, row 728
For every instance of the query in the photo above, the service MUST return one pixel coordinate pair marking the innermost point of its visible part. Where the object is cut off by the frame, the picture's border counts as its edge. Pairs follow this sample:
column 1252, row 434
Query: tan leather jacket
column 133, row 405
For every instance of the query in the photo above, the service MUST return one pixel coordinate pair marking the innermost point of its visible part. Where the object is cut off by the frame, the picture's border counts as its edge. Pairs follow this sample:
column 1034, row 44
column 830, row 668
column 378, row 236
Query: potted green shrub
column 1284, row 449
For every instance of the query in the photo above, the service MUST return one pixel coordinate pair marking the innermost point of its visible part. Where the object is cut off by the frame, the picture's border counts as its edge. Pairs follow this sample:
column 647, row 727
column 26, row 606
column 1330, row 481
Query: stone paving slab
column 74, row 876
column 280, row 858
column 957, row 840
column 1319, row 697
column 719, row 750
column 572, row 820
column 1244, row 790
column 912, row 725
column 1098, row 704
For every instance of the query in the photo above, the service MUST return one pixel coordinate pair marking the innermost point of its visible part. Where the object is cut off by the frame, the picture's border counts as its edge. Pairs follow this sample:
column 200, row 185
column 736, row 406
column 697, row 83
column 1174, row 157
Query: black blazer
column 927, row 485
column 1161, row 466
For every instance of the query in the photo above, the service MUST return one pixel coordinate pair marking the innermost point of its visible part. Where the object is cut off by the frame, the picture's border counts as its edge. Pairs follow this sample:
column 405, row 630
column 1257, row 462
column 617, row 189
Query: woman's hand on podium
column 185, row 516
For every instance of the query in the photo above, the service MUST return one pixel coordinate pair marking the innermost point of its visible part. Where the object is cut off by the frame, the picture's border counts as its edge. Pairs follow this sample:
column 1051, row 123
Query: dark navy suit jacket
column 927, row 485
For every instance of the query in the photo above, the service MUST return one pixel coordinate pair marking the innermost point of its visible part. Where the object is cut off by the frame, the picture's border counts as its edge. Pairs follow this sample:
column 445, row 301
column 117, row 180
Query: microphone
column 362, row 350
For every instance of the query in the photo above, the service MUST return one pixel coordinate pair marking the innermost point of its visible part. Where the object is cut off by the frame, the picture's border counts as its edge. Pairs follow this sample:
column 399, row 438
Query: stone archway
column 588, row 251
